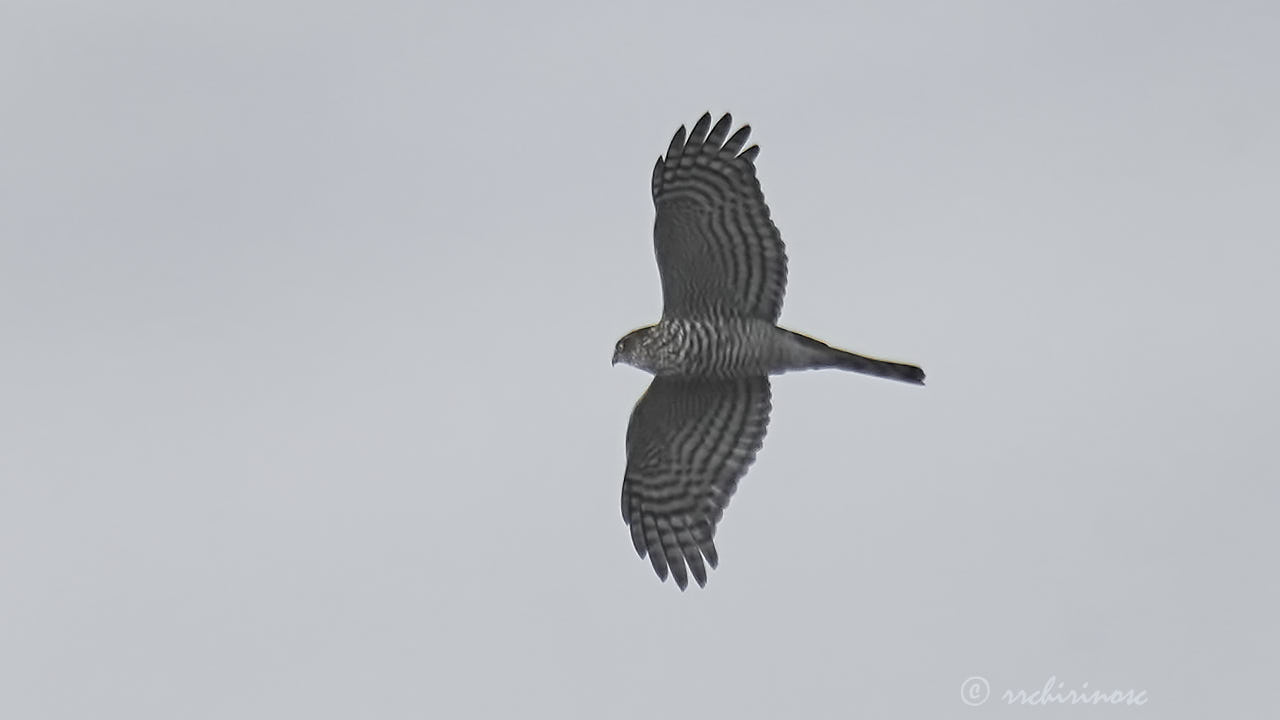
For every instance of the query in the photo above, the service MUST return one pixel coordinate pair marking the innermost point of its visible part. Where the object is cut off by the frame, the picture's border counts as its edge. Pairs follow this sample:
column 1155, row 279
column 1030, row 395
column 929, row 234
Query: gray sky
column 307, row 408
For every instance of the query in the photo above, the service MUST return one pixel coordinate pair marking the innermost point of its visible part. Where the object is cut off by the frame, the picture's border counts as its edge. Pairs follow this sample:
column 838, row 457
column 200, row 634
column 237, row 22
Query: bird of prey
column 698, row 427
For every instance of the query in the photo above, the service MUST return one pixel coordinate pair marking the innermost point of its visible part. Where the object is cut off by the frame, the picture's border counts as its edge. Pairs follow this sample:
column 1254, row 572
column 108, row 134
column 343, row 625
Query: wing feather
column 688, row 444
column 719, row 253
column 735, row 143
column 698, row 135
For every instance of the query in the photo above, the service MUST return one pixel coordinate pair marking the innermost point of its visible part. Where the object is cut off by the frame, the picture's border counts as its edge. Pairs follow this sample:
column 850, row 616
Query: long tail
column 879, row 368
column 822, row 355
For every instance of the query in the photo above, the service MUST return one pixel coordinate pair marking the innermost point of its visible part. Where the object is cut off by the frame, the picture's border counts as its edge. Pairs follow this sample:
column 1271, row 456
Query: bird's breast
column 722, row 348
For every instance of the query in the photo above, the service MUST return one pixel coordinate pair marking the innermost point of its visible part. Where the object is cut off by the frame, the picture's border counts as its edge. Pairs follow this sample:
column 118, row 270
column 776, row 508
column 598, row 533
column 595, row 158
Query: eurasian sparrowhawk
column 698, row 427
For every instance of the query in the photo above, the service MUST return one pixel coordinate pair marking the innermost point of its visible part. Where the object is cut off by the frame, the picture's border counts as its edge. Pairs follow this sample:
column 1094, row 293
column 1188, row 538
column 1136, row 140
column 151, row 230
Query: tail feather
column 879, row 368
column 818, row 354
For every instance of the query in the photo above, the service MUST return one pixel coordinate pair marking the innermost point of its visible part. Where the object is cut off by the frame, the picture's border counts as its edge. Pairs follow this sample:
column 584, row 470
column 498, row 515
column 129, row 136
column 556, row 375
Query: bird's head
column 632, row 349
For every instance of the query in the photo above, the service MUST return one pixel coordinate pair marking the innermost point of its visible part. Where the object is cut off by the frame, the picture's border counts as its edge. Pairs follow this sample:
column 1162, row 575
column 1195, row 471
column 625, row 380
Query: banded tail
column 820, row 355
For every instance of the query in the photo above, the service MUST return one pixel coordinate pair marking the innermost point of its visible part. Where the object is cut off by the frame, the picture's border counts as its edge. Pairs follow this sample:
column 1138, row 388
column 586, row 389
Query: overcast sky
column 306, row 407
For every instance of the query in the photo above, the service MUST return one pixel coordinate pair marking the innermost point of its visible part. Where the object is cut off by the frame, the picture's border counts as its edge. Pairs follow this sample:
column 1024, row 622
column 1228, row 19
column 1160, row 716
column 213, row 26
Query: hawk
column 698, row 427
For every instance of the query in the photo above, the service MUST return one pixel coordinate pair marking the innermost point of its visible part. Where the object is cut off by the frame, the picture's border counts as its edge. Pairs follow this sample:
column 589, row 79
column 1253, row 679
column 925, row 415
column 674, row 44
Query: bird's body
column 697, row 429
column 709, row 347
column 742, row 347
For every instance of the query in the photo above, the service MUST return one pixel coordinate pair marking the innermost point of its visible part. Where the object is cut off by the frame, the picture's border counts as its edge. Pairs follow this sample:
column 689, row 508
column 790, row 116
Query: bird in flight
column 698, row 427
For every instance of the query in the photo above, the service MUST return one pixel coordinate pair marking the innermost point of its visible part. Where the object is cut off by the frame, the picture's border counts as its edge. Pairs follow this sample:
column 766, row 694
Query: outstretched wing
column 688, row 443
column 718, row 252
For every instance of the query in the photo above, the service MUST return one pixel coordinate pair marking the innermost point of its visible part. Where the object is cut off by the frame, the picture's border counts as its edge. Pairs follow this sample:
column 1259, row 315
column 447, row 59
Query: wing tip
column 677, row 144
column 698, row 134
